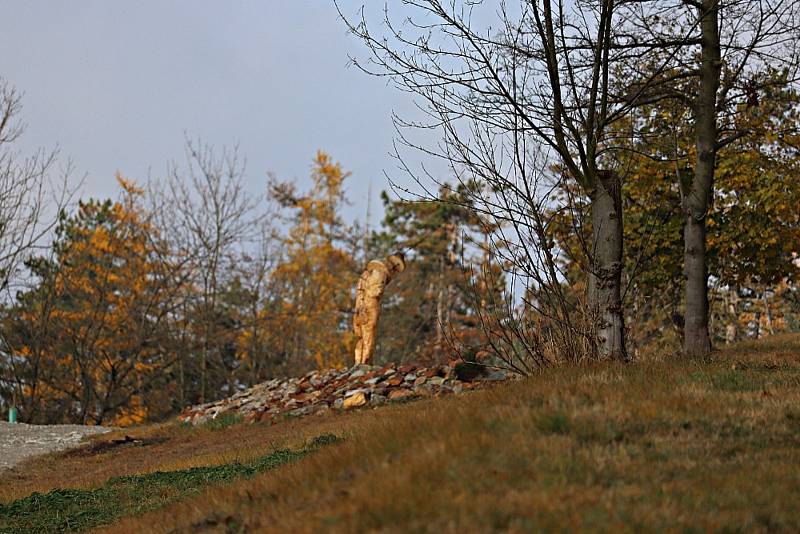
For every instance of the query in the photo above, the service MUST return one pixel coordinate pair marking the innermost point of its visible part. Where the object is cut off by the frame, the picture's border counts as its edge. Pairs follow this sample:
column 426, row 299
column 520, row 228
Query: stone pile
column 321, row 391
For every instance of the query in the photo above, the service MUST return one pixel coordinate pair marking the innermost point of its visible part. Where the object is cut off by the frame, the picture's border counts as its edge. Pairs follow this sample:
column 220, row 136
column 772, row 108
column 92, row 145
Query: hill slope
column 667, row 445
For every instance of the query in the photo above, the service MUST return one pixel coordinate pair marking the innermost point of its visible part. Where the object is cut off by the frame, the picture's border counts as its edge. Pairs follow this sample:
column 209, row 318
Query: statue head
column 396, row 262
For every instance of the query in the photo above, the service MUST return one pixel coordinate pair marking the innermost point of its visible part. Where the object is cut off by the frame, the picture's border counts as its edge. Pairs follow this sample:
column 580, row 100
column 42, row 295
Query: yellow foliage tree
column 317, row 277
column 92, row 332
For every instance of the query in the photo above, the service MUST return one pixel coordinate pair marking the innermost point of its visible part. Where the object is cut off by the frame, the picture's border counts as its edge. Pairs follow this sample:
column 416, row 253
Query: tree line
column 622, row 181
column 595, row 124
column 188, row 288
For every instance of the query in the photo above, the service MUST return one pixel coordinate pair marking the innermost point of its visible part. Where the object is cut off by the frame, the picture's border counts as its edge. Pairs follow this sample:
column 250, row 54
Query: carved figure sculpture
column 368, row 302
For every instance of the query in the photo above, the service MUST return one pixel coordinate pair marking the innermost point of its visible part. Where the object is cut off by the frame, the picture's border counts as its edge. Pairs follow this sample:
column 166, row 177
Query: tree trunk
column 696, row 341
column 767, row 313
column 181, row 381
column 731, row 329
column 440, row 308
column 697, row 197
column 86, row 397
column 204, row 369
column 758, row 324
column 605, row 279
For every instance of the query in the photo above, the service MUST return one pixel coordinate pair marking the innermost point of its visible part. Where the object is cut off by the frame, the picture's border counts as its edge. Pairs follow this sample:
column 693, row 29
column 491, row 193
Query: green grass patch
column 737, row 381
column 224, row 421
column 71, row 510
column 554, row 423
column 728, row 381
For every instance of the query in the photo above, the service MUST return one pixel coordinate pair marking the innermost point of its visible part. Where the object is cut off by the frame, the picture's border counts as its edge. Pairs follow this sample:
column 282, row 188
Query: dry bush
column 524, row 339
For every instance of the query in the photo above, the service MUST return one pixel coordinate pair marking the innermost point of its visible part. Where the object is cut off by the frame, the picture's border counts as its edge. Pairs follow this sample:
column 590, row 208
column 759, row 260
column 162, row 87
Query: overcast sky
column 117, row 84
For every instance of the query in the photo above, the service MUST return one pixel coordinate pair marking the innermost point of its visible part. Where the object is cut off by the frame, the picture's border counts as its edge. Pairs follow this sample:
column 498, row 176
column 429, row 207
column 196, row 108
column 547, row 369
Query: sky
column 118, row 86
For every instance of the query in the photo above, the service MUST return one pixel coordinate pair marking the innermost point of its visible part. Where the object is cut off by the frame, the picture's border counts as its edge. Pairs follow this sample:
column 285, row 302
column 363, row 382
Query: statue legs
column 366, row 330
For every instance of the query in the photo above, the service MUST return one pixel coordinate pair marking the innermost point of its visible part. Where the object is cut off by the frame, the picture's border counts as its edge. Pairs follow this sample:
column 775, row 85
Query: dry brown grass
column 673, row 446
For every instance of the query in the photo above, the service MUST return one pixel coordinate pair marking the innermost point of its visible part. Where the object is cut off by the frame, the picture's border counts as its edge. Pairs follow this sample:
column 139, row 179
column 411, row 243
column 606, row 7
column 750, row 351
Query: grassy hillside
column 668, row 445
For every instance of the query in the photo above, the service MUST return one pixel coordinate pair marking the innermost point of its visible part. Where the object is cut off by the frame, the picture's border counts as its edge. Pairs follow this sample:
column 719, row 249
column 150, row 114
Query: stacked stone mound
column 320, row 391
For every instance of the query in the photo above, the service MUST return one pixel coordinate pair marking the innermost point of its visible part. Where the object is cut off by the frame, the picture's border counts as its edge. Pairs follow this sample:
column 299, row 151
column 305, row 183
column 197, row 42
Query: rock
column 469, row 371
column 398, row 394
column 299, row 412
column 201, row 419
column 320, row 409
column 339, row 389
column 355, row 400
column 493, row 376
column 394, row 380
column 265, row 417
column 251, row 417
column 430, row 373
column 407, row 368
column 423, row 391
column 436, row 381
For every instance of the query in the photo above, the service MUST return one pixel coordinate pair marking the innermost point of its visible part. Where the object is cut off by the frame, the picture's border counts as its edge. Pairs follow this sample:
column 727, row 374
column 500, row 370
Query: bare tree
column 208, row 216
column 253, row 271
column 31, row 198
column 538, row 82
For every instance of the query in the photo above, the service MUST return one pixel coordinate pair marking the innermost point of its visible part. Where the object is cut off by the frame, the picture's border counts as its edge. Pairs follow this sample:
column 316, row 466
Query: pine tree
column 434, row 303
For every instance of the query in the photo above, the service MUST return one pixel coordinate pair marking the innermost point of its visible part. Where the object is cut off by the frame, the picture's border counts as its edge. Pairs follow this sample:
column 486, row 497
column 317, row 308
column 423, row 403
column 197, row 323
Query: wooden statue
column 368, row 303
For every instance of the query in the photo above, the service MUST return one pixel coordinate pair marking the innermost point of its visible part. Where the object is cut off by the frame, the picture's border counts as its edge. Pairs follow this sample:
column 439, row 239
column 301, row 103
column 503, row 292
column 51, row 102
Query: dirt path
column 20, row 441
